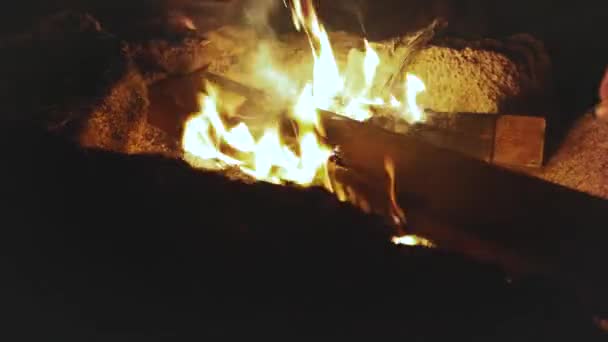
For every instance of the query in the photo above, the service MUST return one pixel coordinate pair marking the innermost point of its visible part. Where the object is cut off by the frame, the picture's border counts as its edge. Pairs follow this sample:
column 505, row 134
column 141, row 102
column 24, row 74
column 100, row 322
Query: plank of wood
column 509, row 140
column 519, row 141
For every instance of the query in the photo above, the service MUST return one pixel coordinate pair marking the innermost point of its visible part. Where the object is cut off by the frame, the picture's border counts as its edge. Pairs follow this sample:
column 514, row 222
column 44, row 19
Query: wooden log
column 509, row 140
column 370, row 195
column 559, row 230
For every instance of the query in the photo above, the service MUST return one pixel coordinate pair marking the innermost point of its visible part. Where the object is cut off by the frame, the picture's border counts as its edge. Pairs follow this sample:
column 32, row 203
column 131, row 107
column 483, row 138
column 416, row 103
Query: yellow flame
column 329, row 86
column 394, row 102
column 413, row 87
column 397, row 214
column 198, row 139
column 370, row 64
column 267, row 159
column 304, row 109
column 327, row 82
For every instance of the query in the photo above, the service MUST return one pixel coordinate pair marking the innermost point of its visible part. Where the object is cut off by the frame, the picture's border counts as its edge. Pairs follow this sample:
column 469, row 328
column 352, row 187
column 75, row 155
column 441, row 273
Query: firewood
column 510, row 140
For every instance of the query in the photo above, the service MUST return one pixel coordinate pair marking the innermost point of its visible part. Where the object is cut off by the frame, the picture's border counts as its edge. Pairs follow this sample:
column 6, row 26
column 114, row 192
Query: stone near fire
column 67, row 59
column 79, row 81
column 229, row 46
column 119, row 117
column 581, row 162
column 177, row 55
column 484, row 76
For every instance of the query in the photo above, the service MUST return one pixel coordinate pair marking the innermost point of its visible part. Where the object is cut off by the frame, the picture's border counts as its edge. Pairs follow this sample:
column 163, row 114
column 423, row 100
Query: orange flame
column 267, row 158
column 397, row 214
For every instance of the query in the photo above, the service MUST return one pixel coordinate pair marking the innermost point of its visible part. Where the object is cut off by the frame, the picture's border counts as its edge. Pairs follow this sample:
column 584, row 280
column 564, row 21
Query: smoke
column 258, row 13
column 356, row 8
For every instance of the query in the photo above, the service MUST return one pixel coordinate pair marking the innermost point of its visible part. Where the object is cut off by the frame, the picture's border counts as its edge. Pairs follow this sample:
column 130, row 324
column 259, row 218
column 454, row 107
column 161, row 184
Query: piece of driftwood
column 510, row 140
column 556, row 229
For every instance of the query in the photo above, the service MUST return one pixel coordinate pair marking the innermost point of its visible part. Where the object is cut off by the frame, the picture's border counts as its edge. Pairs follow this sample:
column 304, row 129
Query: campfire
column 299, row 155
column 393, row 156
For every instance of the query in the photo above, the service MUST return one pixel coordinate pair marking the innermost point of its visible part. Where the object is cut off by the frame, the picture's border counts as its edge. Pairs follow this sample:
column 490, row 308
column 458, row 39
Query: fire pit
column 335, row 183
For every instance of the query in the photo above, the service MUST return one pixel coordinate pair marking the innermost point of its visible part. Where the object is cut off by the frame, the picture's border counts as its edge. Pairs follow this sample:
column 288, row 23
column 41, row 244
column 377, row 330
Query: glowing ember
column 412, row 240
column 265, row 153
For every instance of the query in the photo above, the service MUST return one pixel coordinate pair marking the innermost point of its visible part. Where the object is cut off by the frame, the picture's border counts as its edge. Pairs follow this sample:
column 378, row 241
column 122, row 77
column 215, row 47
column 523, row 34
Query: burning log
column 546, row 224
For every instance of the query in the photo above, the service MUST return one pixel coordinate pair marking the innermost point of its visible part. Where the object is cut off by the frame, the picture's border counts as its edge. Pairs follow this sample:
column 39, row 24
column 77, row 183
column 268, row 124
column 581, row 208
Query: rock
column 166, row 37
column 465, row 80
column 152, row 140
column 228, row 46
column 58, row 69
column 120, row 117
column 483, row 76
column 72, row 77
column 159, row 58
column 581, row 162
